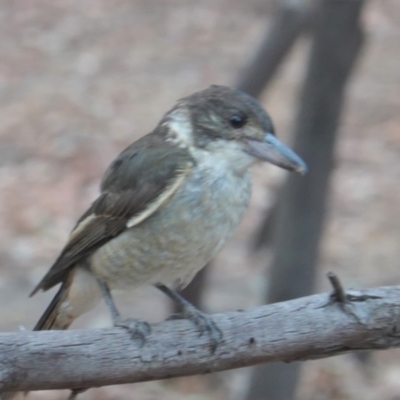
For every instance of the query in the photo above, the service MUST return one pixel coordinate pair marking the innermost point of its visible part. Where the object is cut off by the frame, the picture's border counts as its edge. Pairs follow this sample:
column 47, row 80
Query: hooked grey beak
column 272, row 150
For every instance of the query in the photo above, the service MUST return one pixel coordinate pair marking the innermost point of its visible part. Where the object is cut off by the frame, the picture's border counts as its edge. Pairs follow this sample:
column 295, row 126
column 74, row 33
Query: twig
column 338, row 291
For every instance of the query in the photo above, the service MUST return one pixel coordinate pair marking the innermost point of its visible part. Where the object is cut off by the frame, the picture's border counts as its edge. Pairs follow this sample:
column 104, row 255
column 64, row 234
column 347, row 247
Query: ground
column 79, row 80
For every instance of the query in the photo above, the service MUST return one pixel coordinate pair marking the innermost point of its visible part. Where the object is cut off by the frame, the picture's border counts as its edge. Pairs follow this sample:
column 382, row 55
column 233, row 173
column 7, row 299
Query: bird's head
column 232, row 125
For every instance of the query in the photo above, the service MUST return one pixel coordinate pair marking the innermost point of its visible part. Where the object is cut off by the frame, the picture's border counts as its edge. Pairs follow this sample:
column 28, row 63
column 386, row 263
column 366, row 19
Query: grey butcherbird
column 168, row 203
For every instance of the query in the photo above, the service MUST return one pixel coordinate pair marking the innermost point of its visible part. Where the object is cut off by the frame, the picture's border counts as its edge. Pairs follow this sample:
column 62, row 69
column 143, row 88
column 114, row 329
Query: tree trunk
column 302, row 204
column 289, row 23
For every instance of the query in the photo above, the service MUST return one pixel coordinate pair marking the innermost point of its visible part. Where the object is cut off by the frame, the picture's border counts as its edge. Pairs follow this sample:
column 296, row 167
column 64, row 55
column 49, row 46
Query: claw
column 204, row 323
column 176, row 316
column 138, row 329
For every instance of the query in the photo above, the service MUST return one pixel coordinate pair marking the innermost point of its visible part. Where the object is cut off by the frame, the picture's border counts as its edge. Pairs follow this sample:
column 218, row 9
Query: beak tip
column 302, row 169
column 273, row 151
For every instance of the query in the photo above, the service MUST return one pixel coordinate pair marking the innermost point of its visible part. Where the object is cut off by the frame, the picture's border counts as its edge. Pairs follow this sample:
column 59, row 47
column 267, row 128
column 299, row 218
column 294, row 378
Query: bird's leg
column 137, row 328
column 202, row 321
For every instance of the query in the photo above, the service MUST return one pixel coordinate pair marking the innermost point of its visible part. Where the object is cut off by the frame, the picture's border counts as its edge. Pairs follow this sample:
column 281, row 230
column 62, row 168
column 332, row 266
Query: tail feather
column 49, row 318
column 78, row 294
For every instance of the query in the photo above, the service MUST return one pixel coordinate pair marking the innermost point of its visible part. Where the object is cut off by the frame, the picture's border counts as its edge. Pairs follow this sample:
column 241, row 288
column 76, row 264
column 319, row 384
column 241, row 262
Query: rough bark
column 302, row 203
column 307, row 328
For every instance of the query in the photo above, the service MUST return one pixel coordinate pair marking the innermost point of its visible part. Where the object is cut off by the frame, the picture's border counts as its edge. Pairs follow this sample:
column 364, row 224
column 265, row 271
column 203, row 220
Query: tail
column 78, row 294
column 50, row 318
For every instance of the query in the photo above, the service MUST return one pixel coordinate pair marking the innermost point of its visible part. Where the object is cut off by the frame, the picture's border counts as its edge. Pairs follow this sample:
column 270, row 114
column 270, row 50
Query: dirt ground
column 79, row 80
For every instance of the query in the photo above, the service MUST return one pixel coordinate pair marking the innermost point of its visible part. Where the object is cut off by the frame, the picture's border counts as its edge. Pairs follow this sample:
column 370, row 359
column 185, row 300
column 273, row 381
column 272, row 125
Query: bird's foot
column 138, row 329
column 204, row 323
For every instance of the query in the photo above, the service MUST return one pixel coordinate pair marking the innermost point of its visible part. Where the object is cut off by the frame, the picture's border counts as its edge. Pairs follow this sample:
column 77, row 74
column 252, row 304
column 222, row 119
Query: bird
column 167, row 205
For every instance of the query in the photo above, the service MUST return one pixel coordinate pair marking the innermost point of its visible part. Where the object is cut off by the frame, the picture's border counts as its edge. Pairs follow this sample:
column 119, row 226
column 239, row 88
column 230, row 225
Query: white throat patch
column 180, row 129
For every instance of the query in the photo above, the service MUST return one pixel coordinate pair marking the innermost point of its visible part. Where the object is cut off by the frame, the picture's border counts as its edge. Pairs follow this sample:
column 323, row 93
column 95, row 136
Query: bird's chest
column 209, row 206
column 199, row 219
column 175, row 242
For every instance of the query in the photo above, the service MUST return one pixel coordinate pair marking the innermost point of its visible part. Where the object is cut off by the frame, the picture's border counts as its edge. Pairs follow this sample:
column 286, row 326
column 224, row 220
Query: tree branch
column 302, row 329
column 291, row 20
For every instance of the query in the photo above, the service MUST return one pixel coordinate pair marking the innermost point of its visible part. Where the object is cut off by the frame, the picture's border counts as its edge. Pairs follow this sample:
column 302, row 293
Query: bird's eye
column 237, row 121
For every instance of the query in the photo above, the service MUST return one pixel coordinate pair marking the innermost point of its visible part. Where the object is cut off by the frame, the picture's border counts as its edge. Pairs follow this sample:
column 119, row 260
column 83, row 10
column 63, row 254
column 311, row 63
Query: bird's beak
column 272, row 150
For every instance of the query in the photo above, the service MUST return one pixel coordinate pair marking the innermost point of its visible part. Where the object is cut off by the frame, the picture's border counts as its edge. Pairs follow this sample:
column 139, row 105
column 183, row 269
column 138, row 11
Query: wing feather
column 135, row 186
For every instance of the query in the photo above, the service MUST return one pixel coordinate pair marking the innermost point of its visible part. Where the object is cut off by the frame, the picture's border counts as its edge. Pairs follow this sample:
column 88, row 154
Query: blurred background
column 80, row 80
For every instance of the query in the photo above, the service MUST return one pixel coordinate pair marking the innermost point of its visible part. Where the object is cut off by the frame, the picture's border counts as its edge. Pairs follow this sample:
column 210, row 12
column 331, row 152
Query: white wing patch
column 161, row 199
column 82, row 225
